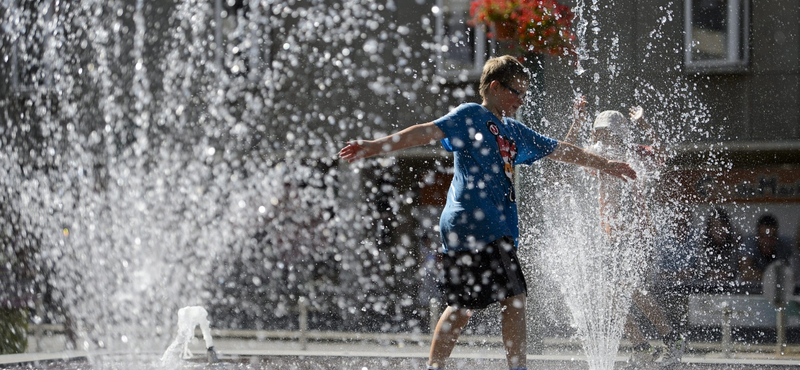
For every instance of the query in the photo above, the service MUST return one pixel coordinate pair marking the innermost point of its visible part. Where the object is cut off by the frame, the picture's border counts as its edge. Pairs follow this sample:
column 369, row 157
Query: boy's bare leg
column 449, row 327
column 512, row 311
column 633, row 332
column 652, row 310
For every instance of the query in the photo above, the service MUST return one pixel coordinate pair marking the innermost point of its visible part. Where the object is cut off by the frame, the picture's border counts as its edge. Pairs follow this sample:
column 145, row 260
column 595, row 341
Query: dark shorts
column 476, row 279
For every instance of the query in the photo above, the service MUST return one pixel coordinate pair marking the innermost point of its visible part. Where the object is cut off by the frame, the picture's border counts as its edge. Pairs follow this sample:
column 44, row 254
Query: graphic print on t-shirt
column 508, row 153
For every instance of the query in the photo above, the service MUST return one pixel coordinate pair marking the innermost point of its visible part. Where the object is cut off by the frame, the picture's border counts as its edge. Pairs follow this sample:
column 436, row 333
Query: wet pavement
column 377, row 352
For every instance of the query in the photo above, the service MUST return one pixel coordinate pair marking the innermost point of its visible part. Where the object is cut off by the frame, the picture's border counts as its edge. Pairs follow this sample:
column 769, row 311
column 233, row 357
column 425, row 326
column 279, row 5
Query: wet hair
column 504, row 69
column 768, row 220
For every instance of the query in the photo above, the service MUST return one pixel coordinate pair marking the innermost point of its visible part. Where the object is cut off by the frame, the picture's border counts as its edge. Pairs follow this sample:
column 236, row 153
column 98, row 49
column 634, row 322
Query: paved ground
column 371, row 353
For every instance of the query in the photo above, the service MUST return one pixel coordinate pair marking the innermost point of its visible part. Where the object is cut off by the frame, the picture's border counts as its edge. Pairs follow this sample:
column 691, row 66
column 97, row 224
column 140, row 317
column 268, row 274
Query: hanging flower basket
column 529, row 26
column 504, row 30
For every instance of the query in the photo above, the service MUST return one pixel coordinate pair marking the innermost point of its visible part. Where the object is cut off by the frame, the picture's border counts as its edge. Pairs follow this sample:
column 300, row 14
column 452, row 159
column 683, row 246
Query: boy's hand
column 579, row 108
column 637, row 115
column 356, row 150
column 619, row 170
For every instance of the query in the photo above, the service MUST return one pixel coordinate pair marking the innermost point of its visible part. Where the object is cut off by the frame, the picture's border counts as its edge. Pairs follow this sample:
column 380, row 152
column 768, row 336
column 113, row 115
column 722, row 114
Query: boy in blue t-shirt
column 479, row 224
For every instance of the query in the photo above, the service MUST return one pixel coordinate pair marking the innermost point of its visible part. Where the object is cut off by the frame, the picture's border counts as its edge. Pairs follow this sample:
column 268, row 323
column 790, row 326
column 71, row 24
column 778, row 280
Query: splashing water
column 581, row 25
column 598, row 275
column 153, row 160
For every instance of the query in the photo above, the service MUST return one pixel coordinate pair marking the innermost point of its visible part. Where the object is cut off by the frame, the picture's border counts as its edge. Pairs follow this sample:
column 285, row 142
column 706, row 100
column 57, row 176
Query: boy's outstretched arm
column 566, row 152
column 421, row 134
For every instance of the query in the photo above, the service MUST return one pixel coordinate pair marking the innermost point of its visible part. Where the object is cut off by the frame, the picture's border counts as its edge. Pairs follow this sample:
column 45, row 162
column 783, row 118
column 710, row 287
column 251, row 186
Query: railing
column 725, row 311
column 303, row 335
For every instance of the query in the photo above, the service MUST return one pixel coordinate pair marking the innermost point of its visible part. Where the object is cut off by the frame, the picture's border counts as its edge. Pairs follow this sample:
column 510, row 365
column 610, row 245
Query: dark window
column 462, row 48
column 717, row 33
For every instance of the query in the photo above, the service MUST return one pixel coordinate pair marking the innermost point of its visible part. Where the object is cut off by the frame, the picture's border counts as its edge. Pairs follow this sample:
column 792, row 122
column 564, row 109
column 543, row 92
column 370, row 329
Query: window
column 461, row 48
column 717, row 34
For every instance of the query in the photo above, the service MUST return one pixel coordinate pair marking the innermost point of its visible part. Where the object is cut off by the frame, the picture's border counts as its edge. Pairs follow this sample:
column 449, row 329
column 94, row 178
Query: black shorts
column 476, row 279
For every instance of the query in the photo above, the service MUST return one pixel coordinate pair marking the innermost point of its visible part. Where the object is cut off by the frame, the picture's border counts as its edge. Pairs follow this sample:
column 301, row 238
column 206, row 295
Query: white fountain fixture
column 188, row 319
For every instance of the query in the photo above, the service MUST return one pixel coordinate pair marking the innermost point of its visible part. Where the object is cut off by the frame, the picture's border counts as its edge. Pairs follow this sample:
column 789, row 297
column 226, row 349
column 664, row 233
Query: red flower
column 540, row 26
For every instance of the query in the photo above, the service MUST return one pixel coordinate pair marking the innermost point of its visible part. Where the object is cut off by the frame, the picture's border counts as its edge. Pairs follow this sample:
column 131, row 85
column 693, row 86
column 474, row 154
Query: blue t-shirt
column 481, row 203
